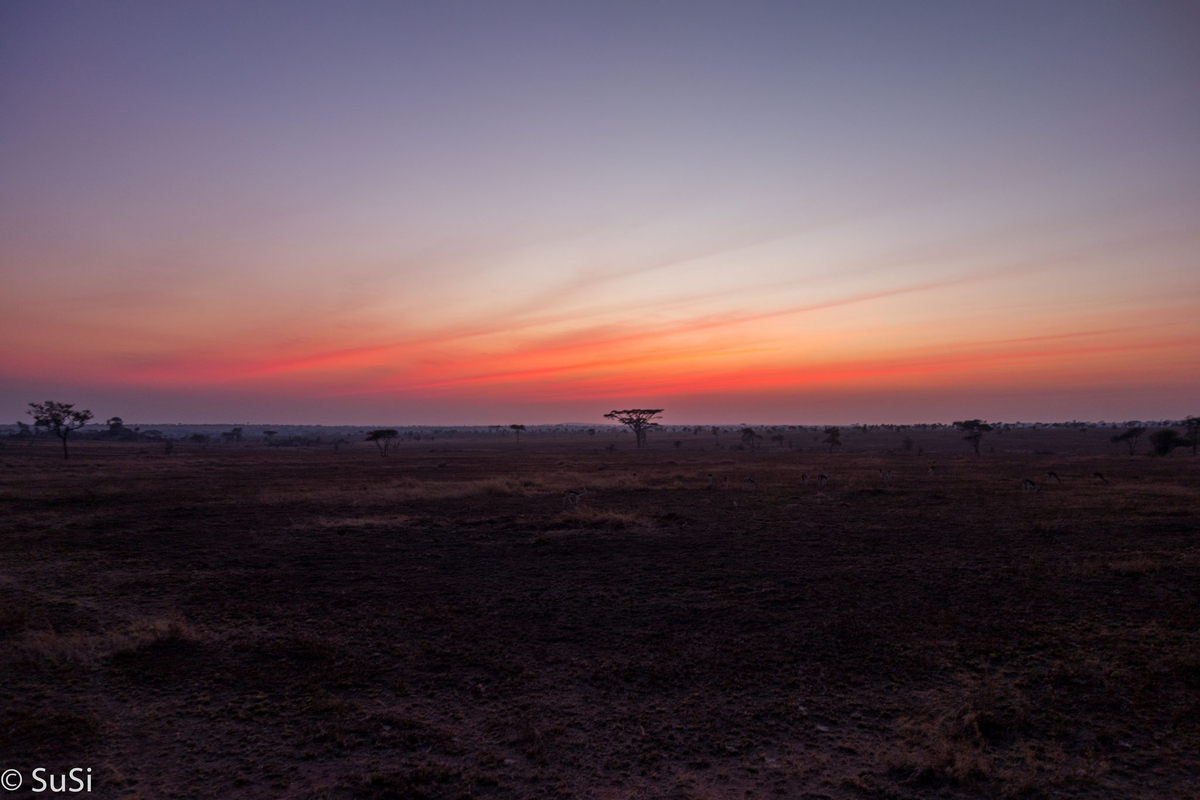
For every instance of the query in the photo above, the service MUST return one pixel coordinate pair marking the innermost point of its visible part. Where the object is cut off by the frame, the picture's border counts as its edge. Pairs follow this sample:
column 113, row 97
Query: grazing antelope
column 750, row 484
column 804, row 479
column 1052, row 477
column 822, row 481
column 1029, row 486
column 572, row 496
column 1098, row 478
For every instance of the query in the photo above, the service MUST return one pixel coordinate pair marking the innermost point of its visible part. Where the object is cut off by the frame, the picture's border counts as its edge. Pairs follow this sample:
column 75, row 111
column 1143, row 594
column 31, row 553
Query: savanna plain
column 237, row 620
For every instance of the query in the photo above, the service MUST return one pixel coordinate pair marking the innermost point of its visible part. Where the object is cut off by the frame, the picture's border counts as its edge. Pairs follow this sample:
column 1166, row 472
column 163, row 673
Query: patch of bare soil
column 256, row 622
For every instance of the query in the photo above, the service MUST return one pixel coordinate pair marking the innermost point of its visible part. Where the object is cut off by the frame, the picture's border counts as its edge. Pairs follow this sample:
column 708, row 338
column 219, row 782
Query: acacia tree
column 750, row 438
column 58, row 418
column 833, row 438
column 638, row 420
column 518, row 429
column 1129, row 437
column 975, row 429
column 382, row 439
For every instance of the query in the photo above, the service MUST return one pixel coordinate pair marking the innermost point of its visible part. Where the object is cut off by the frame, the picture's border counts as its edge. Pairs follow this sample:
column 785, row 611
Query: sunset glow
column 425, row 215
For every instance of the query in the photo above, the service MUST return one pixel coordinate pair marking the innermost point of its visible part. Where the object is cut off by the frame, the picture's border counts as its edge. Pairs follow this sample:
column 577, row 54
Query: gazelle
column 1098, row 478
column 572, row 496
column 932, row 470
column 822, row 481
column 1052, row 477
column 1029, row 486
column 725, row 482
column 749, row 483
column 804, row 479
column 711, row 480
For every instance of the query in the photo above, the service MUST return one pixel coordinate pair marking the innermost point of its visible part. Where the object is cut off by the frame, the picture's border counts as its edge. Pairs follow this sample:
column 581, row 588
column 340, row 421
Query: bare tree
column 382, row 439
column 518, row 429
column 1129, row 437
column 833, row 438
column 638, row 420
column 974, row 430
column 58, row 418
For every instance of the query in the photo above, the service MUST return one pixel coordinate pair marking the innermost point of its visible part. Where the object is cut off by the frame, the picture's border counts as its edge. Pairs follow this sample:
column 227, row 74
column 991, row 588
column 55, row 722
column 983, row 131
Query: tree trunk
column 64, row 438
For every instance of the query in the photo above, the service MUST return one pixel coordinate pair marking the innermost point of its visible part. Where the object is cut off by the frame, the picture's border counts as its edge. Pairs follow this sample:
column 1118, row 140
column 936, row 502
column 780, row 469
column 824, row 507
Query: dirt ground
column 244, row 621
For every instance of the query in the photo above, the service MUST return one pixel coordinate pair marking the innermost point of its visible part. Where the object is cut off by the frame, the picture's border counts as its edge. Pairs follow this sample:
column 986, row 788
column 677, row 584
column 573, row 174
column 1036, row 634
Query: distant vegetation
column 1165, row 437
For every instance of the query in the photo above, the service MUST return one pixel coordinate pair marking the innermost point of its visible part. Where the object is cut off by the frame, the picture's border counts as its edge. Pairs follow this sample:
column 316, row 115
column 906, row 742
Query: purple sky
column 492, row 212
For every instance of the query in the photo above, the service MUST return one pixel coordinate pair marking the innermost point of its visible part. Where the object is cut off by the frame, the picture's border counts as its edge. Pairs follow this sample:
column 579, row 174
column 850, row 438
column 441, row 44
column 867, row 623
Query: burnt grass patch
column 268, row 622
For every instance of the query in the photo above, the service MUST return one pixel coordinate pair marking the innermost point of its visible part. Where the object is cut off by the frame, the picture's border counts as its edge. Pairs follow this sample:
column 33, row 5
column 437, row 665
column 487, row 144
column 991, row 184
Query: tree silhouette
column 1193, row 431
column 518, row 429
column 778, row 439
column 750, row 438
column 1166, row 440
column 638, row 420
column 269, row 436
column 1129, row 437
column 833, row 438
column 975, row 429
column 382, row 439
column 58, row 418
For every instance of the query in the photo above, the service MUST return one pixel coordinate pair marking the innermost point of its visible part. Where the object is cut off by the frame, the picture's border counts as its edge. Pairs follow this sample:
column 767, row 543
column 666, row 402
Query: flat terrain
column 245, row 621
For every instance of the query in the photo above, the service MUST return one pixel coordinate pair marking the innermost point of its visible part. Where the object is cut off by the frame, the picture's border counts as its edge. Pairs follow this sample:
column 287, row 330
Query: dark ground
column 244, row 621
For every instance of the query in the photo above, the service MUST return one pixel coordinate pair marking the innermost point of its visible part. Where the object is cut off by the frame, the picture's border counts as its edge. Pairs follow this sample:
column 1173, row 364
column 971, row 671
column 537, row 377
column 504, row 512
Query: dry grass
column 240, row 622
column 48, row 647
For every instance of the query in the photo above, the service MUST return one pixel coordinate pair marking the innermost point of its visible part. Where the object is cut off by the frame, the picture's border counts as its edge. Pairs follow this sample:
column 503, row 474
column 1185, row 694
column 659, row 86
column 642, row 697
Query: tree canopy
column 974, row 430
column 638, row 420
column 1164, row 441
column 58, row 418
column 1129, row 437
column 382, row 439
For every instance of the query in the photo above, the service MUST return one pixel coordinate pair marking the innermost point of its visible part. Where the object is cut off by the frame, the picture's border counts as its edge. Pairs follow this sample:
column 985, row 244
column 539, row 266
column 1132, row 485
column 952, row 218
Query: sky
column 489, row 213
